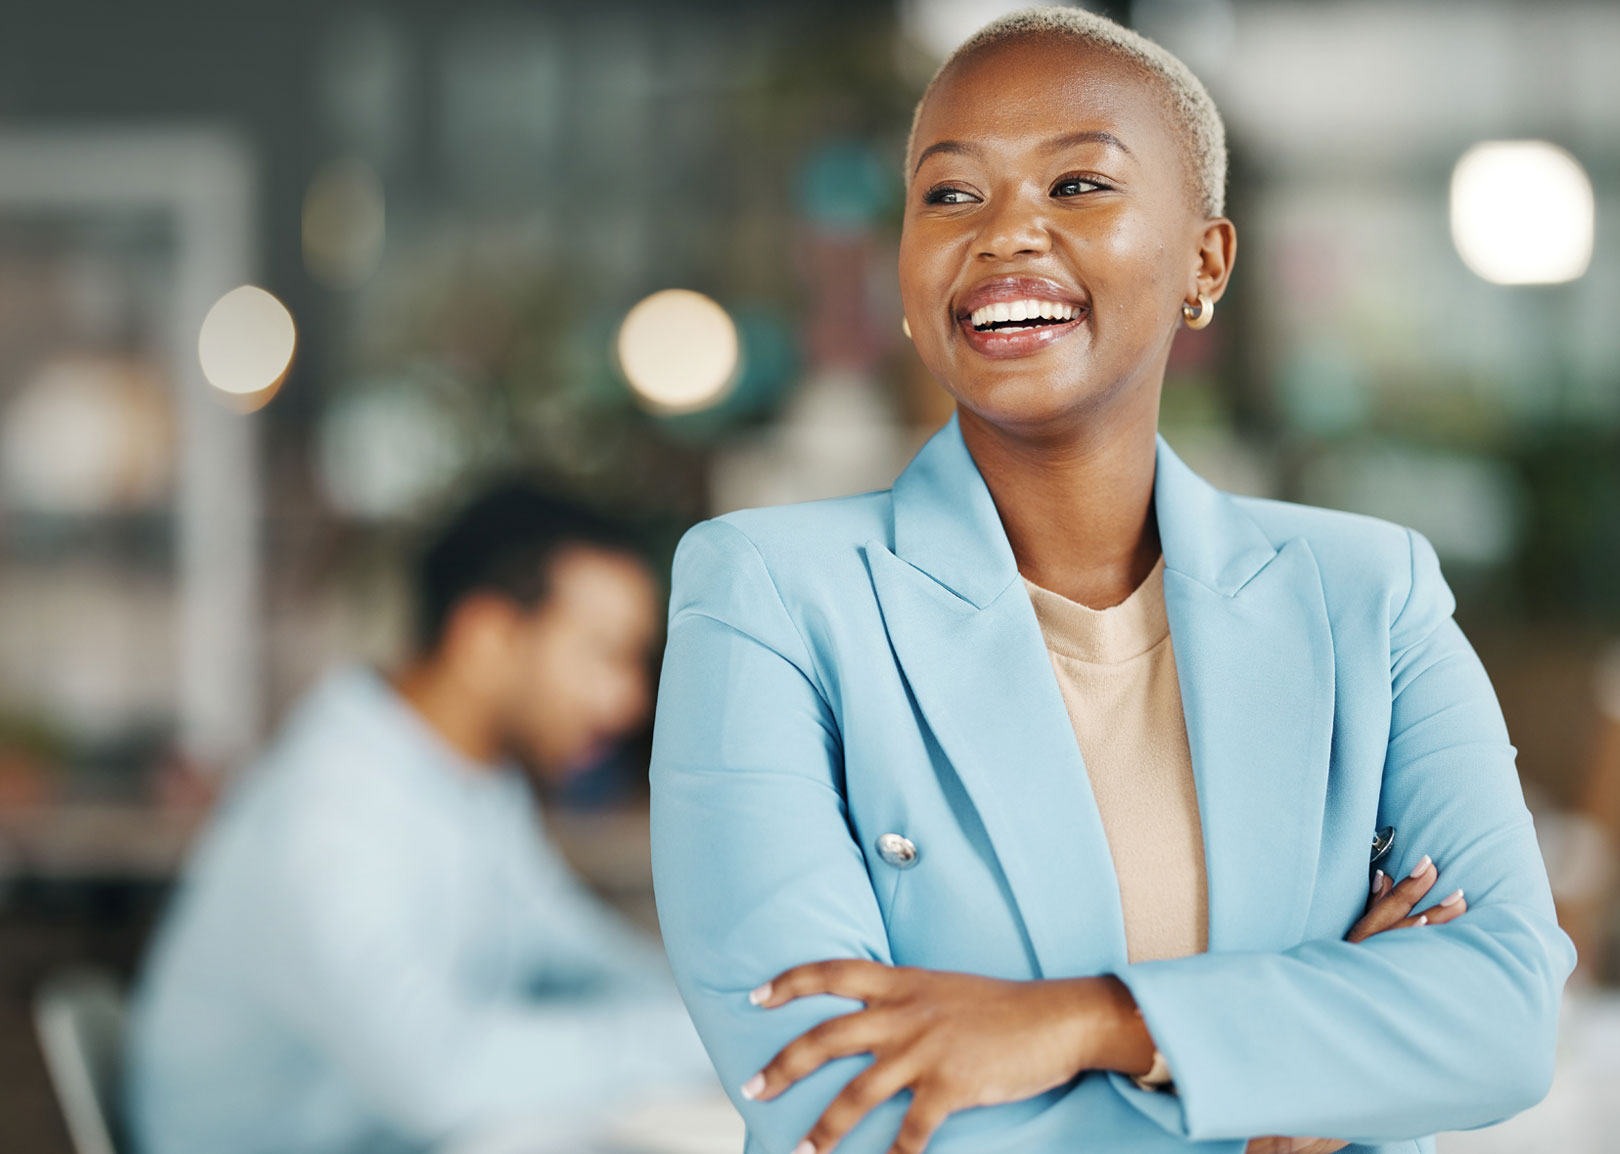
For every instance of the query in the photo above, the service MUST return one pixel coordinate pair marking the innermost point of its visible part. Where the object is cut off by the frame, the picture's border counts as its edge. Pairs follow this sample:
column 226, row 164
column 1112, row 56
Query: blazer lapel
column 1254, row 659
column 1253, row 655
column 966, row 637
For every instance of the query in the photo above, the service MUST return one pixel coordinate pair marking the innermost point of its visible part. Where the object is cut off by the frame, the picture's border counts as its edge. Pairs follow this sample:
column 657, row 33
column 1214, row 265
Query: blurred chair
column 79, row 1015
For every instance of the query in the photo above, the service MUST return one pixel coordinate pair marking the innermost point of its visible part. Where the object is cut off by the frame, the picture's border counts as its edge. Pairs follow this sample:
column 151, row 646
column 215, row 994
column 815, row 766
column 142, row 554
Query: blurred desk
column 701, row 1125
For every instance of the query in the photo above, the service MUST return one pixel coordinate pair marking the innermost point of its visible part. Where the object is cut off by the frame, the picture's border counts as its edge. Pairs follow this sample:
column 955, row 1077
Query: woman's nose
column 1012, row 228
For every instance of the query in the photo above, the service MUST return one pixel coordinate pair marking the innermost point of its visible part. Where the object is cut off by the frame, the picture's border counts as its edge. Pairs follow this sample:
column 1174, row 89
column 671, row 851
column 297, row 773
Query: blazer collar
column 946, row 524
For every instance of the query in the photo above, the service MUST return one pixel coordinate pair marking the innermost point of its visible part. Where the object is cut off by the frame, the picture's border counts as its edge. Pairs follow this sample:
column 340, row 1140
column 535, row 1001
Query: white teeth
column 1023, row 310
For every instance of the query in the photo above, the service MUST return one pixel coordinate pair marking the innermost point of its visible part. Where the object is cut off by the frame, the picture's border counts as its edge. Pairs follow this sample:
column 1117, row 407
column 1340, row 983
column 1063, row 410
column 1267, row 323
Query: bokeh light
column 679, row 350
column 385, row 447
column 246, row 342
column 938, row 26
column 1522, row 212
column 87, row 435
column 344, row 224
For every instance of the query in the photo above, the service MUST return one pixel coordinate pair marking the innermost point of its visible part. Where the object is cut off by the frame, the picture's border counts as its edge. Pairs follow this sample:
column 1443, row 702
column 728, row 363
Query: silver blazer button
column 1383, row 841
column 898, row 851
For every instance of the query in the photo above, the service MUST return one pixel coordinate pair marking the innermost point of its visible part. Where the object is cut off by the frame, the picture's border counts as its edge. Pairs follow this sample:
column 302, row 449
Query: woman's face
column 1048, row 172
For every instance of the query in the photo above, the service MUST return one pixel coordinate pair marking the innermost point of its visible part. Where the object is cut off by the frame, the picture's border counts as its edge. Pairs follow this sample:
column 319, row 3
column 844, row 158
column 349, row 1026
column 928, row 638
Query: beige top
column 1118, row 678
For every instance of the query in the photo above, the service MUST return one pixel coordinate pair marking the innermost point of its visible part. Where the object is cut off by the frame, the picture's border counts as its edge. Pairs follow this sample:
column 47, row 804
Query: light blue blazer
column 844, row 669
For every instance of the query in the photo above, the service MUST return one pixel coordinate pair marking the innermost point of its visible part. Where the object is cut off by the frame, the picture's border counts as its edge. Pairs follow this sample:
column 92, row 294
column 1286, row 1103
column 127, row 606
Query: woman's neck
column 1077, row 507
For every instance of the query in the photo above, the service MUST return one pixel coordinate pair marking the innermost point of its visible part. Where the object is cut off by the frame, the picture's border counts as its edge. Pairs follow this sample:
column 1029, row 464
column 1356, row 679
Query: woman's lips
column 1018, row 342
column 1002, row 303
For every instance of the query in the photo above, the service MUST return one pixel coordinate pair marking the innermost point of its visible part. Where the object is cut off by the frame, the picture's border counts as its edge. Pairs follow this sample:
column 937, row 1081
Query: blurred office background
column 459, row 223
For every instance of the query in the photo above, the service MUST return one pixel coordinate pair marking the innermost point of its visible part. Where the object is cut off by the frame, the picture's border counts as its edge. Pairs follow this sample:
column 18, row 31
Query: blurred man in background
column 374, row 947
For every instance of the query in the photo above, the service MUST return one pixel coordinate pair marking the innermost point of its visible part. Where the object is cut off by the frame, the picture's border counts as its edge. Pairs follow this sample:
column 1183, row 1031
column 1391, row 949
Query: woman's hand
column 1389, row 907
column 954, row 1040
column 961, row 1040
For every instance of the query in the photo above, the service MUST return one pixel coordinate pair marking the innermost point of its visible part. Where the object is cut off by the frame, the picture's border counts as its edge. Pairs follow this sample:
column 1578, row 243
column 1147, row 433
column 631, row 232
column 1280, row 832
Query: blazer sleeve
column 1413, row 1031
column 754, row 866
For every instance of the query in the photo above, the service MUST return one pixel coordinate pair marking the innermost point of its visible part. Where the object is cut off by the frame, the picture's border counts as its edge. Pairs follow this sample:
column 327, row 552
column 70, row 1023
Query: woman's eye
column 948, row 196
column 1075, row 185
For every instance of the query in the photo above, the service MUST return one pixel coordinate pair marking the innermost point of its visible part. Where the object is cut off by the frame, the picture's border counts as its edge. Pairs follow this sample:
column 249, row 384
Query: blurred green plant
column 1568, row 565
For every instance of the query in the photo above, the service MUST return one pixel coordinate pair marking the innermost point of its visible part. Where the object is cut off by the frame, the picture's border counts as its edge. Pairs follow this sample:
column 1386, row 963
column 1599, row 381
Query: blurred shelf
column 73, row 841
column 143, row 539
column 82, row 841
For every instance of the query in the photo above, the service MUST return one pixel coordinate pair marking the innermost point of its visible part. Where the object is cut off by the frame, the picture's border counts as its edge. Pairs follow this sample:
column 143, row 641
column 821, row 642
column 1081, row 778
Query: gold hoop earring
column 1202, row 316
column 905, row 327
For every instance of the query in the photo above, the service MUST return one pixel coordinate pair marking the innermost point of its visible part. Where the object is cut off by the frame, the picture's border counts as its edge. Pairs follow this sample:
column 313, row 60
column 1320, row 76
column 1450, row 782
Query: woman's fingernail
column 805, row 1147
column 1420, row 867
column 752, row 1087
column 1423, row 920
column 1453, row 899
column 758, row 996
column 1378, row 882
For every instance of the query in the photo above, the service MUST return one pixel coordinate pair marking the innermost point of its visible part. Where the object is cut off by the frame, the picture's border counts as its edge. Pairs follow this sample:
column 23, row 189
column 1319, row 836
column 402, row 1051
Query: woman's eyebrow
column 1086, row 136
column 955, row 147
column 1056, row 144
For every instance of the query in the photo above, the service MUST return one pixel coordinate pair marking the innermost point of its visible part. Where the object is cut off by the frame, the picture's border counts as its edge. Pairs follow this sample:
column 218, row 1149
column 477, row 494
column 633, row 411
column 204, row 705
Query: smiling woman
column 1027, row 805
column 1057, row 166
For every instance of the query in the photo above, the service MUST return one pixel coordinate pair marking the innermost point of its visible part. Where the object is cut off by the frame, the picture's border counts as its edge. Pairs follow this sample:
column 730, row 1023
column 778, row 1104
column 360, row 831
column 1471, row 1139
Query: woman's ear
column 1217, row 249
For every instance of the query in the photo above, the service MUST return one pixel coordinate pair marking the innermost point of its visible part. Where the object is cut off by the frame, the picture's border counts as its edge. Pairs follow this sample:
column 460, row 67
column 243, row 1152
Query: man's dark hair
column 504, row 542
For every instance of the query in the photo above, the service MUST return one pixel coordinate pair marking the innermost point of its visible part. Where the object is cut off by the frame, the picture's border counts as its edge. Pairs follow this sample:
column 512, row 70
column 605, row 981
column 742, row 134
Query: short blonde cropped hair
column 1195, row 115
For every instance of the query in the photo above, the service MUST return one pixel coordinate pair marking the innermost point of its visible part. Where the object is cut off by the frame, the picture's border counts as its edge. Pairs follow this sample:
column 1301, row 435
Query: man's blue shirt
column 374, row 948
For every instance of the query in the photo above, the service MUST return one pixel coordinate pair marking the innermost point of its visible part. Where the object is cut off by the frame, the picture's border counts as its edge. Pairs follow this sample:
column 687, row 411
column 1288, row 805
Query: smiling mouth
column 1022, row 316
